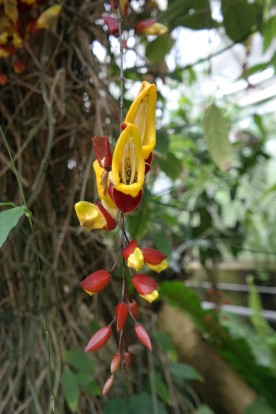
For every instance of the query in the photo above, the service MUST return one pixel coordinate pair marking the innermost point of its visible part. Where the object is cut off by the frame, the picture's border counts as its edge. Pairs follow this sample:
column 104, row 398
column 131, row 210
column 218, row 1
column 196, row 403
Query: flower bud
column 133, row 255
column 99, row 339
column 115, row 363
column 133, row 308
column 127, row 359
column 96, row 282
column 121, row 313
column 108, row 385
column 154, row 259
column 145, row 286
column 102, row 150
column 151, row 27
column 142, row 335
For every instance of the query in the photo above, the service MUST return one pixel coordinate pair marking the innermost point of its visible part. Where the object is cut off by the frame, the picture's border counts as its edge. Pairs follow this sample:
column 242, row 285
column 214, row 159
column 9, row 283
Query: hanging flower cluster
column 120, row 179
column 20, row 20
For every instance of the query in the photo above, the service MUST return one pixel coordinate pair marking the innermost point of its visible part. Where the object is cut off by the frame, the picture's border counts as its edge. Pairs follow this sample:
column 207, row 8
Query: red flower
column 154, row 259
column 96, row 282
column 146, row 287
column 99, row 339
column 102, row 151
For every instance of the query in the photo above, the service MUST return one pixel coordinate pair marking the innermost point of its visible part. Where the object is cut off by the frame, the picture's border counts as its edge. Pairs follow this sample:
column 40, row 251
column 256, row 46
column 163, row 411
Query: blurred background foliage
column 209, row 205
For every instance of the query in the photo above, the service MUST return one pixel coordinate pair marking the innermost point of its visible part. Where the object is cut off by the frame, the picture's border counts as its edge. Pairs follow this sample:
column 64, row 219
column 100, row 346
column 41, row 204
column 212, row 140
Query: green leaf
column 216, row 130
column 70, row 389
column 142, row 403
column 115, row 406
column 162, row 242
column 87, row 384
column 171, row 165
column 189, row 13
column 79, row 360
column 157, row 50
column 162, row 141
column 204, row 409
column 184, row 371
column 258, row 407
column 137, row 223
column 239, row 18
column 269, row 31
column 161, row 389
column 8, row 220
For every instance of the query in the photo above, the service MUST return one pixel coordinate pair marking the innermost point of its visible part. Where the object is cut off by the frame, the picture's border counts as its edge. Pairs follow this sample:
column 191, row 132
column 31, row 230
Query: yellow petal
column 158, row 268
column 136, row 259
column 157, row 29
column 103, row 181
column 142, row 114
column 48, row 17
column 128, row 165
column 151, row 296
column 10, row 10
column 90, row 217
column 89, row 293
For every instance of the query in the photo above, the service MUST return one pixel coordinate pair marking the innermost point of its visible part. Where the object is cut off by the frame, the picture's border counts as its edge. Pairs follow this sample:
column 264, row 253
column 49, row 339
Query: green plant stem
column 120, row 23
column 42, row 295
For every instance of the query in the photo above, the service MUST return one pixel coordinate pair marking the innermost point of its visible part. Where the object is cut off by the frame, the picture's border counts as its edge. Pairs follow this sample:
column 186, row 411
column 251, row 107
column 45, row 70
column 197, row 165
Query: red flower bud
column 144, row 284
column 133, row 308
column 108, row 385
column 3, row 79
column 102, row 150
column 127, row 359
column 115, row 363
column 153, row 256
column 142, row 335
column 19, row 66
column 99, row 339
column 121, row 313
column 129, row 249
column 112, row 25
column 96, row 282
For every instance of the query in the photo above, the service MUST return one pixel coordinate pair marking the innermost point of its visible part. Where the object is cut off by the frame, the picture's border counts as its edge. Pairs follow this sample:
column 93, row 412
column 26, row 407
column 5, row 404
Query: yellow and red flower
column 96, row 282
column 151, row 27
column 94, row 216
column 133, row 255
column 146, row 287
column 154, row 259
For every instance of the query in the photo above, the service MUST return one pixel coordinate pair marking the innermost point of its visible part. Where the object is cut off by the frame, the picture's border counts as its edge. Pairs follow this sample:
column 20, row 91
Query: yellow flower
column 48, row 18
column 135, row 259
column 142, row 114
column 93, row 216
column 128, row 166
column 158, row 267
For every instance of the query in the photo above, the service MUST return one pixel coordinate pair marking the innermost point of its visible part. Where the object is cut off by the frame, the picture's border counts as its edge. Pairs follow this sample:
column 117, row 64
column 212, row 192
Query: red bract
column 143, row 24
column 110, row 221
column 129, row 249
column 148, row 162
column 102, row 150
column 127, row 359
column 144, row 284
column 142, row 335
column 108, row 385
column 99, row 339
column 112, row 25
column 125, row 202
column 133, row 308
column 115, row 363
column 121, row 312
column 96, row 282
column 153, row 256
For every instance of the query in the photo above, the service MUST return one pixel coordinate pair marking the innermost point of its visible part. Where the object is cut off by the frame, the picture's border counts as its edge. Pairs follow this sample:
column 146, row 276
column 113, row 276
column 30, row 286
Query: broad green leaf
column 204, row 409
column 189, row 13
column 184, row 371
column 87, row 384
column 142, row 403
column 216, row 131
column 79, row 361
column 138, row 223
column 161, row 388
column 269, row 31
column 162, row 242
column 70, row 389
column 259, row 123
column 171, row 165
column 8, row 220
column 115, row 406
column 259, row 407
column 162, row 141
column 158, row 48
column 239, row 18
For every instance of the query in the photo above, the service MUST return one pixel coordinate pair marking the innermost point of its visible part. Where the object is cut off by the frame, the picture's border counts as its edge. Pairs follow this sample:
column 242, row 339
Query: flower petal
column 125, row 202
column 89, row 215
